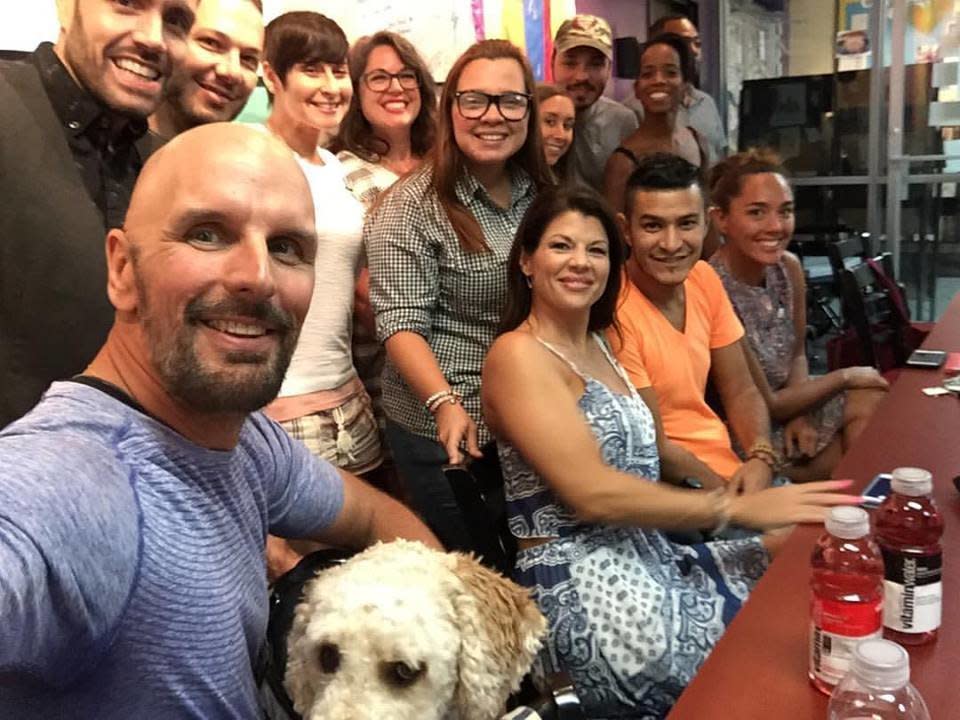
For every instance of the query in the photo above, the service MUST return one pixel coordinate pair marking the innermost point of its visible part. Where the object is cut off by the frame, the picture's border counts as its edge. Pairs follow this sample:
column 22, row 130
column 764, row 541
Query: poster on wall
column 932, row 31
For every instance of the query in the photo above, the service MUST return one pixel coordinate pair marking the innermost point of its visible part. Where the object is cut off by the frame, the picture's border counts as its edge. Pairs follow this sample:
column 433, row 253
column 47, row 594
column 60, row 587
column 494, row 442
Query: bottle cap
column 848, row 522
column 912, row 481
column 881, row 665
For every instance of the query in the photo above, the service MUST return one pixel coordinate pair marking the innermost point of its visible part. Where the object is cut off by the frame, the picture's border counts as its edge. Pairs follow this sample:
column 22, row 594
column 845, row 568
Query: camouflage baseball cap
column 585, row 31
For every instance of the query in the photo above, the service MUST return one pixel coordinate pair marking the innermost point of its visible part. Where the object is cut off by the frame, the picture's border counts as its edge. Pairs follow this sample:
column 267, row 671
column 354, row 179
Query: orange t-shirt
column 676, row 364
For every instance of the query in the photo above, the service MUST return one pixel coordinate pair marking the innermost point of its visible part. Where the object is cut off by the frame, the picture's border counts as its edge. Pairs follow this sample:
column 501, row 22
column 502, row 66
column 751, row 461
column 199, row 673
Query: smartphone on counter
column 876, row 492
column 927, row 358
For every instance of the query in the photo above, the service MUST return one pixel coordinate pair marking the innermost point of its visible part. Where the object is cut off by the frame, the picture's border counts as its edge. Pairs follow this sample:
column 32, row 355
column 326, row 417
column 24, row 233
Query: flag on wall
column 528, row 24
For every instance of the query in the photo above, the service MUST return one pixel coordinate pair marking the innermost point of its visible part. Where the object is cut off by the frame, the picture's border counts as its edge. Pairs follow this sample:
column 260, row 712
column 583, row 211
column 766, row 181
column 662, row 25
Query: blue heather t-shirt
column 132, row 571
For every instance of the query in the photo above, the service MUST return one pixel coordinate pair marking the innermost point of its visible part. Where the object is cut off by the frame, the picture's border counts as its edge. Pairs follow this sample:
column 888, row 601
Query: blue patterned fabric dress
column 631, row 615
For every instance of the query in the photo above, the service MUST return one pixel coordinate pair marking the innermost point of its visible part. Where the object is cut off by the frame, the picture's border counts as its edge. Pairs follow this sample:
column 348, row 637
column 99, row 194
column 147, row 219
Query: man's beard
column 246, row 381
column 189, row 111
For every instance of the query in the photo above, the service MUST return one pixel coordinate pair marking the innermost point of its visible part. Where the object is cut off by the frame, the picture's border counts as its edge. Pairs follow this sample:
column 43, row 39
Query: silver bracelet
column 722, row 503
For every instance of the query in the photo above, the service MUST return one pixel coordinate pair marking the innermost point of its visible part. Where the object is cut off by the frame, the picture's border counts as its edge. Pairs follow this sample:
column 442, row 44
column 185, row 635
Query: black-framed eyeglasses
column 380, row 80
column 473, row 104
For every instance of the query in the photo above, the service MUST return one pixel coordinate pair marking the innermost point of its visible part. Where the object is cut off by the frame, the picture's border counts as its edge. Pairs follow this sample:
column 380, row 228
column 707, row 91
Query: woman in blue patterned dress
column 632, row 615
column 813, row 419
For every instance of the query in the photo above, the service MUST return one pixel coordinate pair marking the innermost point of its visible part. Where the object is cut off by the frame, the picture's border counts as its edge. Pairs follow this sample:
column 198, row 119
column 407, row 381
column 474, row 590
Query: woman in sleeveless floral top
column 631, row 614
column 814, row 419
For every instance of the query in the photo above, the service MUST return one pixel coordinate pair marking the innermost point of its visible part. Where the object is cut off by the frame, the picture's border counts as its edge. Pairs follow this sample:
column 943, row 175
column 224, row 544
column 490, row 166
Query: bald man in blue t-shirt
column 136, row 499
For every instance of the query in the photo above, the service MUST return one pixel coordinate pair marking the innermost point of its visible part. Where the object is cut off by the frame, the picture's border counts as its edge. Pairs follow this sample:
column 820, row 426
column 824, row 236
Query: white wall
column 24, row 25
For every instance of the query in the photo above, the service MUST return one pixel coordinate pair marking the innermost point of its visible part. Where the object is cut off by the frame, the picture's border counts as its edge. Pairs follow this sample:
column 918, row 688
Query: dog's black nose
column 329, row 656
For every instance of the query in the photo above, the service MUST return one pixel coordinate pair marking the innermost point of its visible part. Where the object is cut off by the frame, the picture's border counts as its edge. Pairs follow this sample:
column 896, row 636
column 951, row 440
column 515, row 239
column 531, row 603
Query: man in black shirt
column 73, row 137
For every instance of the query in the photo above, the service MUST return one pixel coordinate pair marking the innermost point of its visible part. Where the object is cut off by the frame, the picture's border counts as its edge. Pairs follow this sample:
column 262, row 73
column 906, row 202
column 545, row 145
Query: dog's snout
column 328, row 655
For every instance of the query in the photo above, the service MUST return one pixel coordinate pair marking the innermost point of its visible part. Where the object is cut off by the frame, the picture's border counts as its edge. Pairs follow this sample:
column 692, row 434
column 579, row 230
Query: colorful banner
column 528, row 24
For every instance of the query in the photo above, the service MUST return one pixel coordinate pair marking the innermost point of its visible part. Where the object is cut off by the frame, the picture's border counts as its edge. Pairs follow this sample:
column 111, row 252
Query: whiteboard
column 440, row 29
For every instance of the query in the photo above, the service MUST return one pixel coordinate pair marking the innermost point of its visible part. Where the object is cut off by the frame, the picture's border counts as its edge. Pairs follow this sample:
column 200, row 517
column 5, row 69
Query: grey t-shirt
column 598, row 131
column 133, row 581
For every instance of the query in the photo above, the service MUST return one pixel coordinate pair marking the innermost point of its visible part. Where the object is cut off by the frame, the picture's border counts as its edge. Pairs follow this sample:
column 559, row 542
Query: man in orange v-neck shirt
column 677, row 328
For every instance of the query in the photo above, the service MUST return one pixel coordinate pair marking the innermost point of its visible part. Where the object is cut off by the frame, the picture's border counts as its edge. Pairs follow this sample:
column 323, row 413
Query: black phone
column 876, row 492
column 927, row 358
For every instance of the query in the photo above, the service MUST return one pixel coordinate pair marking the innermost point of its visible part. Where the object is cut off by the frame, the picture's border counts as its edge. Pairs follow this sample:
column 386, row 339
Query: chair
column 846, row 251
column 875, row 309
column 813, row 249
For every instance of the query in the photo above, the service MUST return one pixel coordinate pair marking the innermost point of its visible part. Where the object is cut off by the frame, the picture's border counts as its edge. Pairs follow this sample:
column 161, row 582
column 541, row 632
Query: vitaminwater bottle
column 847, row 601
column 878, row 686
column 908, row 529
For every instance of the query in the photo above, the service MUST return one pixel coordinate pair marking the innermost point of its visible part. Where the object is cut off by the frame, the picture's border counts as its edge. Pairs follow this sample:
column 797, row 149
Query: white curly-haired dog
column 403, row 632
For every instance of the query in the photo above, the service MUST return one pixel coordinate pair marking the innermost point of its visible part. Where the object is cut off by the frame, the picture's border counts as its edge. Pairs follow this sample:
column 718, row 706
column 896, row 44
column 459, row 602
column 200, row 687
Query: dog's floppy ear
column 500, row 633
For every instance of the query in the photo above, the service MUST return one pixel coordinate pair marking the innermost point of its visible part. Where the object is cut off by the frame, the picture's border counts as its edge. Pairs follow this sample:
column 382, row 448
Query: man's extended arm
column 368, row 516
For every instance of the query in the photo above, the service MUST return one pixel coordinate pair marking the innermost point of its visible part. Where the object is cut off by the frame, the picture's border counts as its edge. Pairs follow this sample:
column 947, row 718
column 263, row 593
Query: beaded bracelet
column 763, row 451
column 434, row 402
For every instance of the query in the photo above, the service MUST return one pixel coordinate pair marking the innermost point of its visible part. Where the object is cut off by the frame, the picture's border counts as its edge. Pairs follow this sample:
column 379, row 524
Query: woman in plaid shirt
column 437, row 245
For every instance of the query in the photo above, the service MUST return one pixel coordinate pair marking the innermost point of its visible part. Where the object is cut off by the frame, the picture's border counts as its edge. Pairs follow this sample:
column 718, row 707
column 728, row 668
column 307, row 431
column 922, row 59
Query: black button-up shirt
column 102, row 141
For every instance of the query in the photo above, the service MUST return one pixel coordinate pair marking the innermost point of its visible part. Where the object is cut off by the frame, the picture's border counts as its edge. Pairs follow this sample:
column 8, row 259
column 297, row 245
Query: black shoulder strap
column 629, row 153
column 702, row 147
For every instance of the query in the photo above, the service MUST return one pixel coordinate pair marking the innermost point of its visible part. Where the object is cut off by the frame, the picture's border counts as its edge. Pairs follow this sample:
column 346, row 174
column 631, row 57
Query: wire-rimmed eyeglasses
column 512, row 106
column 380, row 80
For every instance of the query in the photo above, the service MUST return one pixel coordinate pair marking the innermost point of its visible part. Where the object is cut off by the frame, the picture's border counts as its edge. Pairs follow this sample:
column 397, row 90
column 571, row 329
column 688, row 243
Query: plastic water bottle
column 878, row 686
column 909, row 528
column 847, row 597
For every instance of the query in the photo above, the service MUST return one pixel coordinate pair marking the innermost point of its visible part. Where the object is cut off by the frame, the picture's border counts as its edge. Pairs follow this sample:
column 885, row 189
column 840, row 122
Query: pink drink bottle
column 847, row 600
column 908, row 529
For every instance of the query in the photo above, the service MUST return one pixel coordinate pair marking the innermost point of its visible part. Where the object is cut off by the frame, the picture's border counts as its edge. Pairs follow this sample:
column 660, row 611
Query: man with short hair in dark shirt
column 73, row 137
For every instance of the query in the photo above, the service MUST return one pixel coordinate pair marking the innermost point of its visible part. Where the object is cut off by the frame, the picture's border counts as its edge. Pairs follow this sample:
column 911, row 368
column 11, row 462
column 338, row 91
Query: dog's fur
column 402, row 632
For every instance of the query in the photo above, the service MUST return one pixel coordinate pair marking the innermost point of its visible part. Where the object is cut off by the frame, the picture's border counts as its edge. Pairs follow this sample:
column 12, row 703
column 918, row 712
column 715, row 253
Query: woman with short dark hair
column 322, row 401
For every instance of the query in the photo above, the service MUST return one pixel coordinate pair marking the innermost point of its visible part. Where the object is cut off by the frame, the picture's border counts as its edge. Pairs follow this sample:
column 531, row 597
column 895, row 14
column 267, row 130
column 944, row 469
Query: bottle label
column 913, row 592
column 835, row 629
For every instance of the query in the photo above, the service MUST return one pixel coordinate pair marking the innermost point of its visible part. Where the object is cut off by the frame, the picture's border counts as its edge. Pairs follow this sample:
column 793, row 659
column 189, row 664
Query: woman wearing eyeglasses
column 387, row 131
column 391, row 123
column 437, row 246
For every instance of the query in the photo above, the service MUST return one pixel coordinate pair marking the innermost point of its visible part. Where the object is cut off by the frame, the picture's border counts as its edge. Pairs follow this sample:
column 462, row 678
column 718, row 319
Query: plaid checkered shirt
column 422, row 281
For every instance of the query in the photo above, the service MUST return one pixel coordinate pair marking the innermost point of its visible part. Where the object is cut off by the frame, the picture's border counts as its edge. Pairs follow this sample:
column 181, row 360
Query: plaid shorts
column 346, row 436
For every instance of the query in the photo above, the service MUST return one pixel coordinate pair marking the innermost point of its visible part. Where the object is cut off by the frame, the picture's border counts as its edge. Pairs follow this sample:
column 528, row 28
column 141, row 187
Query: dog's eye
column 400, row 674
column 329, row 656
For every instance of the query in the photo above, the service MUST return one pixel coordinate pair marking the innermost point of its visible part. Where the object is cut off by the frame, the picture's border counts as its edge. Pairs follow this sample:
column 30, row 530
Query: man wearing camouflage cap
column 582, row 63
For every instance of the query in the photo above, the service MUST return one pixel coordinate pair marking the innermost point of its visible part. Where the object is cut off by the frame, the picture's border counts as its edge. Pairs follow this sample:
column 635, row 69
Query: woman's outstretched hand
column 790, row 504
